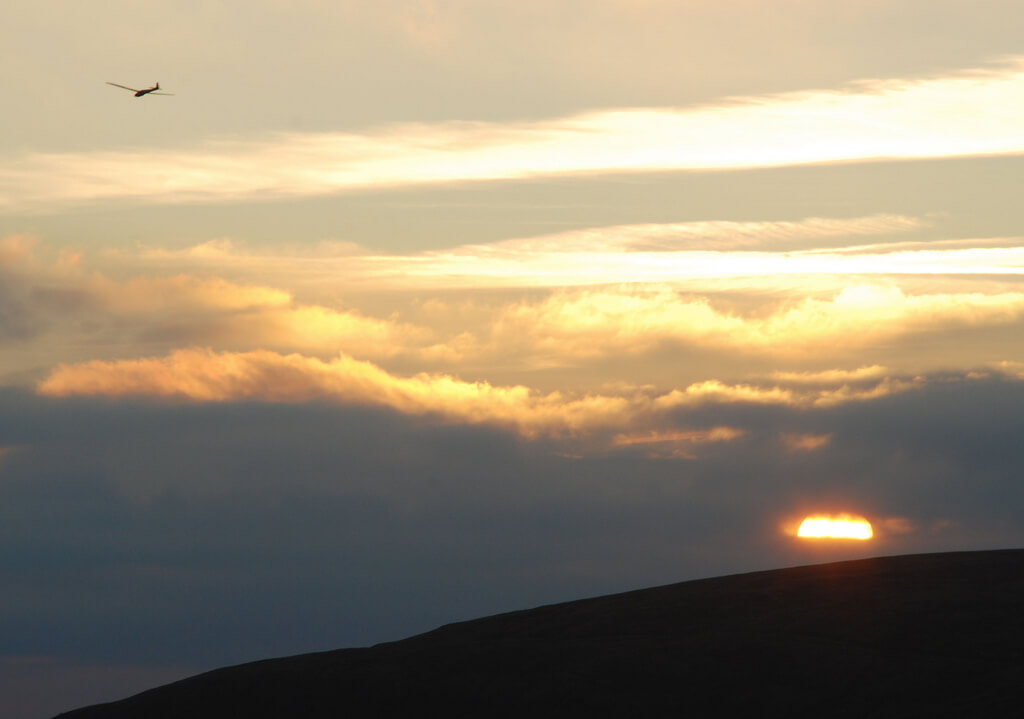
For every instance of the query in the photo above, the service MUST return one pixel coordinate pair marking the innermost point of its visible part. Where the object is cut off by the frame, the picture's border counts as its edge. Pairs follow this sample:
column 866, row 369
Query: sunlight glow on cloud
column 705, row 252
column 967, row 114
column 473, row 267
column 76, row 304
column 181, row 292
column 676, row 444
column 594, row 323
column 716, row 392
column 715, row 434
column 323, row 329
column 700, row 235
column 834, row 376
column 206, row 376
column 65, row 306
column 1012, row 368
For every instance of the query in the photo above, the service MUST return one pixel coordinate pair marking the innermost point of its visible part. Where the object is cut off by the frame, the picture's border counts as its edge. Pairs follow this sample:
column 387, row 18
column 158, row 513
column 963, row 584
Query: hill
column 917, row 635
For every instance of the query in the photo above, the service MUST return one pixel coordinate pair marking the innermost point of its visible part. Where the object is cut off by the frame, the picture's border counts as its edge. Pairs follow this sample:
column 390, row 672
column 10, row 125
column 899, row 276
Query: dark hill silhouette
column 918, row 635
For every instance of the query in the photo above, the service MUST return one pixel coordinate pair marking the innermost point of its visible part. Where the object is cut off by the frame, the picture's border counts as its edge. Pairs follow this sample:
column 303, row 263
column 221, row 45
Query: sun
column 842, row 526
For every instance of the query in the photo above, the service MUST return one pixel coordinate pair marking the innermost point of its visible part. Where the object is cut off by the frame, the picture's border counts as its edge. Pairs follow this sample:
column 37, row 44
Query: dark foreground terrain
column 921, row 635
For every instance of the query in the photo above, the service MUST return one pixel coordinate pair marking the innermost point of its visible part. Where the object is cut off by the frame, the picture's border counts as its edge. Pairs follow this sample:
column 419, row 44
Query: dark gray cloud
column 200, row 535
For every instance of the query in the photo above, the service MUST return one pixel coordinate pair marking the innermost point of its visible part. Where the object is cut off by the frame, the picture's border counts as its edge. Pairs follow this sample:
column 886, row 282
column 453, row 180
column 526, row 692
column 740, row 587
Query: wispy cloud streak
column 650, row 252
column 765, row 253
column 967, row 114
column 475, row 266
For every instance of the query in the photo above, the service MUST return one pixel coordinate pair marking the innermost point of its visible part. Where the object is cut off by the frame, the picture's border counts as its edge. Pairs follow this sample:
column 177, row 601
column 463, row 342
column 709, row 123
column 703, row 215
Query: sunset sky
column 406, row 312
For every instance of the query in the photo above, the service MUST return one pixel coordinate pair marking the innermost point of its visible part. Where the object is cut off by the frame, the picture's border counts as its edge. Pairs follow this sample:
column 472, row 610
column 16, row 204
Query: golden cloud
column 203, row 375
column 593, row 323
column 716, row 392
column 207, row 376
column 316, row 328
column 569, row 327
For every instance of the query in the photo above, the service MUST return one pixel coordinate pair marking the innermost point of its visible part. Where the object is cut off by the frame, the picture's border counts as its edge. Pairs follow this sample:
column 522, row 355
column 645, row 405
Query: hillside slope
column 917, row 635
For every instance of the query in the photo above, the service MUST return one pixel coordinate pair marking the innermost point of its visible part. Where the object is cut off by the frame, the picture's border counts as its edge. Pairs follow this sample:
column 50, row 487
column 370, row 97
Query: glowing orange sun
column 843, row 526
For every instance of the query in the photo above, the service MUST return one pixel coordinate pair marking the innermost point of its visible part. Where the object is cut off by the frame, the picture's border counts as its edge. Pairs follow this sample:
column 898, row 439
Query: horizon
column 398, row 315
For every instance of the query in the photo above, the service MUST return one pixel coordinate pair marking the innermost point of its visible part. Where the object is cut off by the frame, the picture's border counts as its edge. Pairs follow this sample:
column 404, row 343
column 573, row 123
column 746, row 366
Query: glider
column 140, row 93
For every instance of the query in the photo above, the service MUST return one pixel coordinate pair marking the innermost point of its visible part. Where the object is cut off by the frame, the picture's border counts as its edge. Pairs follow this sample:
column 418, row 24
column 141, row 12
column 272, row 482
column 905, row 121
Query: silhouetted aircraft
column 140, row 93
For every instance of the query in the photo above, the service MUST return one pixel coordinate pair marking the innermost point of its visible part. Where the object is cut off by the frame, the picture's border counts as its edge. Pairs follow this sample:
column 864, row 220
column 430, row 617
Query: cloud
column 18, row 322
column 54, row 296
column 592, row 323
column 834, row 376
column 145, row 295
column 716, row 392
column 319, row 328
column 474, row 267
column 158, row 519
column 176, row 515
column 703, row 235
column 675, row 444
column 634, row 415
column 206, row 376
column 1012, row 368
column 967, row 114
column 60, row 309
column 805, row 442
column 765, row 254
column 700, row 254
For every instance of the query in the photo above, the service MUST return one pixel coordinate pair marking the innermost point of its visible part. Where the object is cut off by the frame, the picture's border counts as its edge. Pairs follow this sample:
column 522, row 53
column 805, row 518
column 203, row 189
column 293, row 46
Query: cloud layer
column 188, row 514
column 206, row 376
column 65, row 307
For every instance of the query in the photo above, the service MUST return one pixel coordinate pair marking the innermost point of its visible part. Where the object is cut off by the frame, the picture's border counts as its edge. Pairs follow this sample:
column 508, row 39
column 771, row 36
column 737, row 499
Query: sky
column 403, row 313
